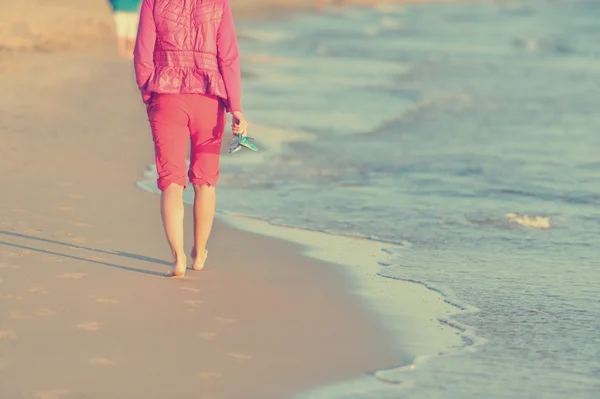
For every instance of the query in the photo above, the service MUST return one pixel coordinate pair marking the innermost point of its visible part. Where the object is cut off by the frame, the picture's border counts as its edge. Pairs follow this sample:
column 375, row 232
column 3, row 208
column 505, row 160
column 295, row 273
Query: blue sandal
column 239, row 141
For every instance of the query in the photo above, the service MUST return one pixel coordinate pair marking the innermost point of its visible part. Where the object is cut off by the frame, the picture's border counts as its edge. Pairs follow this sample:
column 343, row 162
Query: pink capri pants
column 177, row 119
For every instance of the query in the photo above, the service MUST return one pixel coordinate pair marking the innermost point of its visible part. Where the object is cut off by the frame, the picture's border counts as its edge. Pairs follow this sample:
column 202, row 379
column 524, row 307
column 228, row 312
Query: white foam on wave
column 531, row 221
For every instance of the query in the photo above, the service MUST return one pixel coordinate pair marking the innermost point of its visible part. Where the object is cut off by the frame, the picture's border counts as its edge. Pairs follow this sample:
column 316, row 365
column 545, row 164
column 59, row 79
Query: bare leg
column 205, row 200
column 130, row 47
column 171, row 210
column 122, row 46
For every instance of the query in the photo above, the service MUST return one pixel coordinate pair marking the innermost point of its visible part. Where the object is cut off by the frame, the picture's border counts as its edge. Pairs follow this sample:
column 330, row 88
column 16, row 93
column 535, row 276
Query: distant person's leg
column 132, row 28
column 121, row 32
column 169, row 120
column 207, row 125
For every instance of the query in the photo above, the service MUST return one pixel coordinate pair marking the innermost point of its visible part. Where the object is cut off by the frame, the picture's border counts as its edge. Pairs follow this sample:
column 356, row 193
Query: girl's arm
column 143, row 54
column 229, row 59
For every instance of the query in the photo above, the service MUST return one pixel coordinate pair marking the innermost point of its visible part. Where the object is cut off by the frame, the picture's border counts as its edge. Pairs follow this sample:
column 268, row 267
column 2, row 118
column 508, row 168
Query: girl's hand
column 239, row 124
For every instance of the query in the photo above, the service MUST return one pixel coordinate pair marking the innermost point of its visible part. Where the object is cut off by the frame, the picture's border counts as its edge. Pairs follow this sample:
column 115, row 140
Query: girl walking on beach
column 187, row 67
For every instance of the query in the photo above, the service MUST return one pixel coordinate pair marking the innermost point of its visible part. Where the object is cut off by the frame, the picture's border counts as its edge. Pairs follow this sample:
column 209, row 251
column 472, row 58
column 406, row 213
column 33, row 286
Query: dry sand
column 84, row 311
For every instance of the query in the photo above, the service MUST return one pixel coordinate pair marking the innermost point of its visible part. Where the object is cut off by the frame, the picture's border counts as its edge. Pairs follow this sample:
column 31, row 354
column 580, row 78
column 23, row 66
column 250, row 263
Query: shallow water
column 433, row 122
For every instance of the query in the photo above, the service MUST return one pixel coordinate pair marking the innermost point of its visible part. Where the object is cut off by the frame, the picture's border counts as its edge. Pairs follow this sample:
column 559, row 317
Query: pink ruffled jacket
column 188, row 46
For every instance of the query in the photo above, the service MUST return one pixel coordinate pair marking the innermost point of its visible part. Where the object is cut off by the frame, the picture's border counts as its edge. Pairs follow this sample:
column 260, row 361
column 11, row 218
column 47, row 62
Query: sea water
column 466, row 137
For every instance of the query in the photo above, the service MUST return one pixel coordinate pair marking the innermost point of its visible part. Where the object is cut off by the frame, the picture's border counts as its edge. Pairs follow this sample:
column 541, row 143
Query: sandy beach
column 84, row 311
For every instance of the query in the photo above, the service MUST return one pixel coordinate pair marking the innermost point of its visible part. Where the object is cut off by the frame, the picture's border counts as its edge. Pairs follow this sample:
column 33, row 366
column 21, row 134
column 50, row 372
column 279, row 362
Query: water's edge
column 420, row 315
column 364, row 271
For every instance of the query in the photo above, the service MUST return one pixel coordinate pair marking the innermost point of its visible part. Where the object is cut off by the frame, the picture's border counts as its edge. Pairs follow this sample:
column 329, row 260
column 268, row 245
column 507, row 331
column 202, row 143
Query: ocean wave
column 531, row 221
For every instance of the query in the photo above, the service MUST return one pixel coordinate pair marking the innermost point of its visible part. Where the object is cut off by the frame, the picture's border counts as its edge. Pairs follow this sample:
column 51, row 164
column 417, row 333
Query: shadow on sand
column 33, row 239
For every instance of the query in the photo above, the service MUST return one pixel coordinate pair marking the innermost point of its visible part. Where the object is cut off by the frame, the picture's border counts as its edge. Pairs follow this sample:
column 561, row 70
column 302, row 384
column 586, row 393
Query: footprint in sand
column 19, row 210
column 51, row 394
column 11, row 297
column 31, row 232
column 18, row 316
column 239, row 357
column 8, row 335
column 10, row 255
column 106, row 300
column 193, row 303
column 210, row 376
column 78, row 240
column 101, row 361
column 81, row 224
column 89, row 326
column 225, row 320
column 65, row 208
column 38, row 290
column 72, row 276
column 191, row 289
column 208, row 336
column 46, row 312
column 8, row 266
column 55, row 259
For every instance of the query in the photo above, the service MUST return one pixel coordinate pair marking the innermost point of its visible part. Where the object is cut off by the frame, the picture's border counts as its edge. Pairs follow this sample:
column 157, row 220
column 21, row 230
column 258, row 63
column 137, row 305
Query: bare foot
column 178, row 269
column 198, row 262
